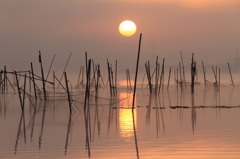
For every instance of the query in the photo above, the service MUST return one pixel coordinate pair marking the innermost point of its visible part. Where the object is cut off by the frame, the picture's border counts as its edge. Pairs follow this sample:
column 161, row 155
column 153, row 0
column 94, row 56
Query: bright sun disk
column 127, row 28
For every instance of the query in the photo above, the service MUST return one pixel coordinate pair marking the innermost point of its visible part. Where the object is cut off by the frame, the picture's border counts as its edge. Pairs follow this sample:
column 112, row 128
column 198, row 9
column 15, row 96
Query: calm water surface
column 109, row 129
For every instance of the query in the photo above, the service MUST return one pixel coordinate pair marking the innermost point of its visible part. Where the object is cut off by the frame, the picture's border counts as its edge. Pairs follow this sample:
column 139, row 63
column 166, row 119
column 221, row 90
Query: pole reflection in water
column 125, row 116
column 22, row 120
column 193, row 113
column 68, row 132
column 42, row 127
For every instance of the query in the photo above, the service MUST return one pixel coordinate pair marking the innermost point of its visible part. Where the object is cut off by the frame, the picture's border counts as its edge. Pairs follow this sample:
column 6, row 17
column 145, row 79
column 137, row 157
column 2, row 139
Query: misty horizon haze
column 210, row 30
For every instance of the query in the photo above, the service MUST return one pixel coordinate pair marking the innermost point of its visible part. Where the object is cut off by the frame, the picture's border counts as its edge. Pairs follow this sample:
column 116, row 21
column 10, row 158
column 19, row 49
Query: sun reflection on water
column 126, row 116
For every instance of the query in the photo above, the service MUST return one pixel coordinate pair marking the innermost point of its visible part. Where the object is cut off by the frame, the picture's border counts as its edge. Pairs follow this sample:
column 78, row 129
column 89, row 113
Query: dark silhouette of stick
column 34, row 84
column 136, row 74
column 230, row 73
column 19, row 91
column 219, row 79
column 204, row 73
column 183, row 69
column 24, row 90
column 43, row 81
column 215, row 74
column 87, row 84
column 69, row 97
column 109, row 78
column 157, row 75
column 169, row 76
column 193, row 73
column 116, row 78
column 162, row 76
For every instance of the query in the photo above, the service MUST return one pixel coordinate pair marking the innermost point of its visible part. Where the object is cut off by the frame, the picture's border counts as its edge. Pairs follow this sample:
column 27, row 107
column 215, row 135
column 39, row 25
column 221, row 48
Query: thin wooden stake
column 19, row 91
column 69, row 96
column 54, row 83
column 230, row 73
column 219, row 78
column 204, row 73
column 183, row 69
column 34, row 84
column 24, row 90
column 43, row 81
column 135, row 81
column 169, row 76
column 116, row 78
column 87, row 84
column 193, row 73
column 109, row 78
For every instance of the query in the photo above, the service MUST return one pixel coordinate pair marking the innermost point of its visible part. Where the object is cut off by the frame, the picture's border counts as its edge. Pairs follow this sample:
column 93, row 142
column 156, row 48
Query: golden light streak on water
column 126, row 116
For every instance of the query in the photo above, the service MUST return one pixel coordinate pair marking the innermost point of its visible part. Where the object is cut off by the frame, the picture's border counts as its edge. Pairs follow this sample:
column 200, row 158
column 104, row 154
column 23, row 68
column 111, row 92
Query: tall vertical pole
column 19, row 91
column 135, row 81
column 43, row 81
column 33, row 79
column 204, row 73
column 230, row 73
column 69, row 97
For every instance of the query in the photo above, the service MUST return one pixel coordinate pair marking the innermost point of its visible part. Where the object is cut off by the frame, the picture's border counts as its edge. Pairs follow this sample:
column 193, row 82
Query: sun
column 127, row 28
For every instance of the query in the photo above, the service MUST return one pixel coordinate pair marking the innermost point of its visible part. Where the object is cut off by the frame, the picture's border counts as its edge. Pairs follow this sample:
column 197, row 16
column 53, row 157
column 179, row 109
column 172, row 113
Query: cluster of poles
column 94, row 79
column 155, row 79
column 39, row 84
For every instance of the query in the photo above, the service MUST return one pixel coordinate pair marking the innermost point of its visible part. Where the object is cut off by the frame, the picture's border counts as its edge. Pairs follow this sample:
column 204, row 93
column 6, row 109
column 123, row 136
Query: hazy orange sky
column 210, row 29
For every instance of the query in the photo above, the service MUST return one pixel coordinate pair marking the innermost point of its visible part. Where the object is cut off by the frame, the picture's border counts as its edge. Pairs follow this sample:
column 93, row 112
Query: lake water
column 110, row 129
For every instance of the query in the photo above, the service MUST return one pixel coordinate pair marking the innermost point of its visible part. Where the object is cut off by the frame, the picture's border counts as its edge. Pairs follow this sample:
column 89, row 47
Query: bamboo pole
column 93, row 80
column 109, row 78
column 112, row 81
column 19, row 91
column 43, row 81
column 147, row 67
column 183, row 69
column 127, row 79
column 59, row 82
column 162, row 76
column 193, row 73
column 54, row 83
column 10, row 84
column 219, row 78
column 215, row 74
column 4, row 79
column 136, row 74
column 86, row 65
column 180, row 73
column 34, row 84
column 30, row 86
column 24, row 90
column 204, row 73
column 230, row 73
column 68, row 93
column 87, row 84
column 177, row 78
column 156, row 75
column 116, row 78
column 98, row 76
column 169, row 76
